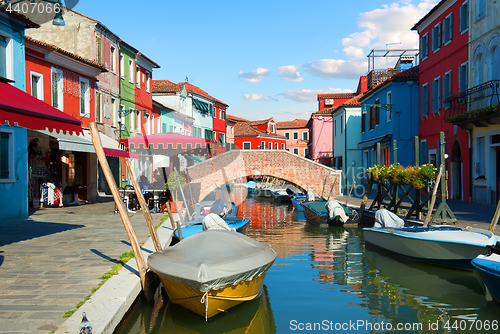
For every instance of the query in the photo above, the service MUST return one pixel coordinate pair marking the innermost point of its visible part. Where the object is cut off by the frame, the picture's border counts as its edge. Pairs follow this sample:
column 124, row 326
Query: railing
column 376, row 77
column 477, row 97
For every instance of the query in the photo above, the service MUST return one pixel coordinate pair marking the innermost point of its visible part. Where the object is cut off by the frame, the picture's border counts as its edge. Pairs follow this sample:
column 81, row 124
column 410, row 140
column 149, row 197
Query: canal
column 324, row 279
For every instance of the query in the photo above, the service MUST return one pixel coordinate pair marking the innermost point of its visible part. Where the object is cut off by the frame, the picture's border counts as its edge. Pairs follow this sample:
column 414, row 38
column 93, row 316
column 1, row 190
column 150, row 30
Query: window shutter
column 362, row 122
column 451, row 26
column 370, row 118
column 377, row 115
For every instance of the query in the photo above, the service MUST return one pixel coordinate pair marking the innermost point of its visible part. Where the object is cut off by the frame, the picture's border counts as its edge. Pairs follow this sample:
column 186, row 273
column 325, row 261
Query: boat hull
column 317, row 214
column 296, row 202
column 489, row 271
column 239, row 224
column 448, row 246
column 215, row 301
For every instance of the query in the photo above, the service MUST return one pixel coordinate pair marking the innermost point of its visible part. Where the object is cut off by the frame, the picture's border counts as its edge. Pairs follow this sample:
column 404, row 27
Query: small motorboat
column 488, row 267
column 438, row 244
column 222, row 208
column 237, row 224
column 283, row 195
column 213, row 271
column 298, row 199
column 251, row 186
column 329, row 212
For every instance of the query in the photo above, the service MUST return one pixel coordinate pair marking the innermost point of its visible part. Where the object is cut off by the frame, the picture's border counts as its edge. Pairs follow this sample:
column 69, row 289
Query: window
column 222, row 139
column 479, row 165
column 436, row 37
column 479, row 9
column 494, row 63
column 341, row 124
column 262, row 145
column 448, row 29
column 389, row 106
column 282, row 146
column 84, row 98
column 424, row 96
column 295, row 135
column 478, row 69
column 424, row 46
column 131, row 117
column 6, row 157
column 306, row 152
column 138, row 76
column 296, row 151
column 463, row 77
column 363, row 120
column 3, row 56
column 287, row 135
column 138, row 123
column 335, row 128
column 131, row 71
column 98, row 109
column 164, row 128
column 98, row 50
column 148, row 82
column 57, row 89
column 436, row 94
column 122, row 66
column 113, row 112
column 113, row 59
column 122, row 116
column 247, row 145
column 433, row 157
column 275, row 146
column 447, row 84
column 270, row 146
column 36, row 85
column 464, row 17
column 305, row 135
column 373, row 114
column 272, row 128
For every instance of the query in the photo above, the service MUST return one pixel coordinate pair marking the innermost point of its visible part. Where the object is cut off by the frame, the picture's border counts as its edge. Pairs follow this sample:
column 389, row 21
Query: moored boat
column 441, row 244
column 316, row 212
column 213, row 271
column 222, row 208
column 237, row 224
column 298, row 199
column 488, row 267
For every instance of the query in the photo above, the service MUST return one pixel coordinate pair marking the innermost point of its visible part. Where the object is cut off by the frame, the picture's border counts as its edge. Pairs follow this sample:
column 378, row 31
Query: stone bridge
column 304, row 173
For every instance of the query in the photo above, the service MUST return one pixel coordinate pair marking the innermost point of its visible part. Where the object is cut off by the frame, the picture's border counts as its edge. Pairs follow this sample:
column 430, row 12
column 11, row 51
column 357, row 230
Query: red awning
column 119, row 153
column 21, row 109
column 167, row 141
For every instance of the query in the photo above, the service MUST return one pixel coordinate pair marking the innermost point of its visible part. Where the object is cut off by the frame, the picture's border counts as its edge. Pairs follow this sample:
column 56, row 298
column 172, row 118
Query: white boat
column 488, row 268
column 438, row 244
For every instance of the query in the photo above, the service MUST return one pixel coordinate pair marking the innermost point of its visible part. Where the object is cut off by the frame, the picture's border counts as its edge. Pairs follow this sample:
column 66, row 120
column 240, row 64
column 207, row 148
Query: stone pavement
column 52, row 260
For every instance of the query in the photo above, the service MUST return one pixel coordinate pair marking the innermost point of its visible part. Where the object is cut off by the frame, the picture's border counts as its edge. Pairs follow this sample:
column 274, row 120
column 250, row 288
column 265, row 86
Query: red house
column 144, row 93
column 443, row 72
column 220, row 125
column 258, row 135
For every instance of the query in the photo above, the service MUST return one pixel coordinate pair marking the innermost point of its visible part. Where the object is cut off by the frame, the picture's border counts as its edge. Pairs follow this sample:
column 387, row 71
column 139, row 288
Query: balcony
column 376, row 77
column 477, row 106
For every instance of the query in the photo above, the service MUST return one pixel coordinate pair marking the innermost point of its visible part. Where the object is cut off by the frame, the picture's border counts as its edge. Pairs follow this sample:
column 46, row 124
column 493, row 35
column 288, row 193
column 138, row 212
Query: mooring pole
column 129, row 228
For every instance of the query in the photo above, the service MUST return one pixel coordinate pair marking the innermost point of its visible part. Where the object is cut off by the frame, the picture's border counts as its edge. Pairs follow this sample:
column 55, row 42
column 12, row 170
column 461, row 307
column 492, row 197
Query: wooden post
column 324, row 183
column 179, row 230
column 129, row 228
column 495, row 218
column 182, row 191
column 417, row 152
column 144, row 206
column 394, row 151
column 333, row 185
column 171, row 216
column 350, row 191
column 434, row 192
column 365, row 198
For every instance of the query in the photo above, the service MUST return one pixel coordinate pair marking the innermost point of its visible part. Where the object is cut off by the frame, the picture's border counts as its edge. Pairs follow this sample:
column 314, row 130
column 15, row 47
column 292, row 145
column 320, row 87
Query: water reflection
column 326, row 274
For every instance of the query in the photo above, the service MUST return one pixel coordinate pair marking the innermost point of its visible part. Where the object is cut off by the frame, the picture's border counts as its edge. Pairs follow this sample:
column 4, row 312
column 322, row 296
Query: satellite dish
column 320, row 117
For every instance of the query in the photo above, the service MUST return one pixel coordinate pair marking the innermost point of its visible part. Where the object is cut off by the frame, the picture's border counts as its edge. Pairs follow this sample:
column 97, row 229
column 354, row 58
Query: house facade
column 219, row 126
column 258, row 135
column 443, row 72
column 231, row 121
column 297, row 134
column 143, row 92
column 390, row 112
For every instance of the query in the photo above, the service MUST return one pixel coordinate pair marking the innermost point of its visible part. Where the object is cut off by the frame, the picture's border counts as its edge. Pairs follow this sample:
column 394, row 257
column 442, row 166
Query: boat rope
column 203, row 299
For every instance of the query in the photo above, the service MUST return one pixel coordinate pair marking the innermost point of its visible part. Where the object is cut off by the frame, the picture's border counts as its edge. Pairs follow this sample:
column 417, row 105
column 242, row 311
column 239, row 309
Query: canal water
column 326, row 280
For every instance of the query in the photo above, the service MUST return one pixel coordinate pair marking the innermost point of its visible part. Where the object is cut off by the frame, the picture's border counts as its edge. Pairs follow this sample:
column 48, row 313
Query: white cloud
column 290, row 73
column 336, row 68
column 255, row 75
column 258, row 97
column 310, row 95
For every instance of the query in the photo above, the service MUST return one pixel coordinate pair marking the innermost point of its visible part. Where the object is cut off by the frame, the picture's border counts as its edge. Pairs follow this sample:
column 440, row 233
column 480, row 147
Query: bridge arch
column 212, row 173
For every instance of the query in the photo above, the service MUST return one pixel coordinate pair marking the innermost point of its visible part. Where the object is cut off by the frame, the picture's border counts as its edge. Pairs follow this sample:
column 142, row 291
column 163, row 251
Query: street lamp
column 123, row 112
column 58, row 17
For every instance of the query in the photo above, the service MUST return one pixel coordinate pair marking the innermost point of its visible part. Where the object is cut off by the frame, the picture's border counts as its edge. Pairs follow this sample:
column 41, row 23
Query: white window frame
column 138, row 123
column 138, row 76
column 270, row 146
column 295, row 134
column 447, row 87
column 448, row 29
column 60, row 88
column 10, row 155
column 436, row 94
column 436, row 38
column 131, row 118
column 272, row 128
column 131, row 71
column 86, row 98
column 424, row 46
column 39, row 84
column 122, row 65
column 262, row 145
column 122, row 116
column 463, row 70
column 464, row 17
column 287, row 135
column 389, row 108
column 282, row 146
column 249, row 144
column 9, row 55
column 99, row 99
column 296, row 151
column 276, row 146
column 114, row 112
column 112, row 51
column 305, row 134
column 148, row 81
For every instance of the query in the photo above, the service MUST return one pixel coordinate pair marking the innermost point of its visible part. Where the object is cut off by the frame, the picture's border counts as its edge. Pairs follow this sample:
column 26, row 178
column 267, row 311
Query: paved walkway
column 52, row 260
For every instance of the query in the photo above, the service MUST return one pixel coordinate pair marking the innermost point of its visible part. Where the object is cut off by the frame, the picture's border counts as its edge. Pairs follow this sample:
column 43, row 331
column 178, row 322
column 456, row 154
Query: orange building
column 297, row 134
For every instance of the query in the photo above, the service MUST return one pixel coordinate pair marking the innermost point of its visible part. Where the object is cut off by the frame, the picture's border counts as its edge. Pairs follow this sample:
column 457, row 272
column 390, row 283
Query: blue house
column 19, row 112
column 390, row 111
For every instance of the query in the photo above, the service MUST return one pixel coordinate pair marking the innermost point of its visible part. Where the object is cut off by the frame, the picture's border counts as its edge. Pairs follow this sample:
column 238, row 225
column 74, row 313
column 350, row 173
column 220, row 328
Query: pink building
column 297, row 134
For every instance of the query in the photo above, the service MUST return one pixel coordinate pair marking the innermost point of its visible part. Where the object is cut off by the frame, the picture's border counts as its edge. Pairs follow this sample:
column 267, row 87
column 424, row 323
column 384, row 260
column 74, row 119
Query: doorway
column 456, row 171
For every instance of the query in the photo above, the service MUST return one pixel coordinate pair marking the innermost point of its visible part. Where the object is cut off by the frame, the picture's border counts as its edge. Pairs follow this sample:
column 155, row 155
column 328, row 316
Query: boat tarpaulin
column 213, row 259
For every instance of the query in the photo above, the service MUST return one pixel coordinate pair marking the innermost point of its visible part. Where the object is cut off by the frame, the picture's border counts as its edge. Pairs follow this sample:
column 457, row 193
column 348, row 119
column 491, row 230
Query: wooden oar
column 350, row 191
column 495, row 218
column 129, row 228
column 144, row 206
column 433, row 200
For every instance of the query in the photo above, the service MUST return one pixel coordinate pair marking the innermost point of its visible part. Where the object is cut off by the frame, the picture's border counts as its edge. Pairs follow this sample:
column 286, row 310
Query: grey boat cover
column 213, row 259
column 310, row 195
column 335, row 209
column 385, row 218
column 213, row 221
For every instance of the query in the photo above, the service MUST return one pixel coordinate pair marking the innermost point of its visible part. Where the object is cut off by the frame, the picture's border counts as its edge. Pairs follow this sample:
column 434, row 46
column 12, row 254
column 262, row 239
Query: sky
column 263, row 58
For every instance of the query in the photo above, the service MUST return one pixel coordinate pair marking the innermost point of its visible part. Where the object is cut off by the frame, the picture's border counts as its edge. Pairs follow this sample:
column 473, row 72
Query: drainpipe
column 469, row 135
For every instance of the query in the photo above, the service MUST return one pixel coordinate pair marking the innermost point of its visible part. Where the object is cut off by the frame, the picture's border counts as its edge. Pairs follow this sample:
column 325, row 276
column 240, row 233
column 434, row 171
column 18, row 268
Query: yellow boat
column 213, row 271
